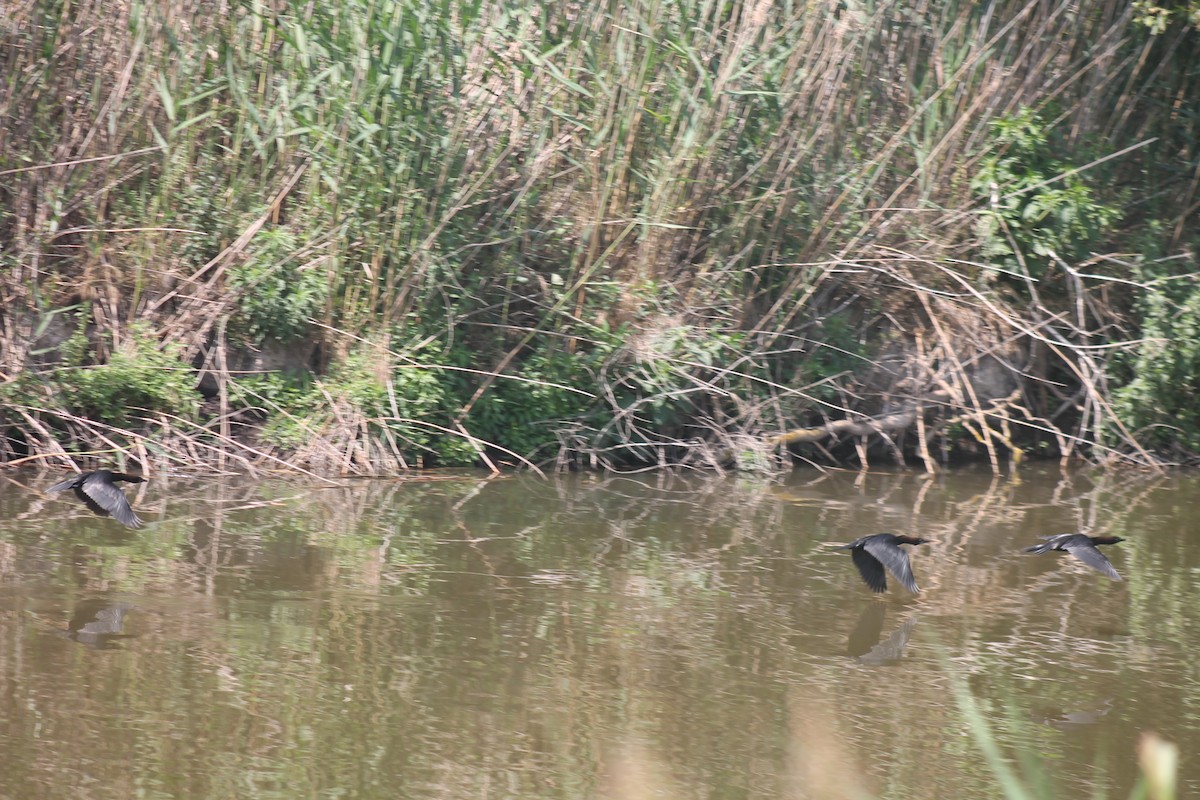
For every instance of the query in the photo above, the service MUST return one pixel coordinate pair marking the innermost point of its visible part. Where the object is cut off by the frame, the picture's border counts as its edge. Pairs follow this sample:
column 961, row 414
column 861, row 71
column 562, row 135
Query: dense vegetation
column 374, row 234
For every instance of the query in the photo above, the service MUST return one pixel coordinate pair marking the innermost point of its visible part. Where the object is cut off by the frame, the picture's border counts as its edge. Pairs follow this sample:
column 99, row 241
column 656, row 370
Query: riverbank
column 369, row 237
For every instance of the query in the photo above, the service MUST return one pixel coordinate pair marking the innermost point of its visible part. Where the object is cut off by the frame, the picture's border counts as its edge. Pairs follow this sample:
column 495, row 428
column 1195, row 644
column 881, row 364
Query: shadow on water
column 97, row 624
column 1067, row 718
column 590, row 636
column 866, row 643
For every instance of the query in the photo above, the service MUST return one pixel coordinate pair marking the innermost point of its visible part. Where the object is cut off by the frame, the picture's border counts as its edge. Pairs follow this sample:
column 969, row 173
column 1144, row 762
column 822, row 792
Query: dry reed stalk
column 752, row 158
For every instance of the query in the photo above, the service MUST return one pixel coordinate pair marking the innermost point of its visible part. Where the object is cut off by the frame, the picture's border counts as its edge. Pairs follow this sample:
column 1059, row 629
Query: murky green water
column 590, row 637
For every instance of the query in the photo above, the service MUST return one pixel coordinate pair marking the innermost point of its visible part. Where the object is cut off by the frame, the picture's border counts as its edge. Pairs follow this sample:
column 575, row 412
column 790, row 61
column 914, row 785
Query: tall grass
column 606, row 233
column 1029, row 777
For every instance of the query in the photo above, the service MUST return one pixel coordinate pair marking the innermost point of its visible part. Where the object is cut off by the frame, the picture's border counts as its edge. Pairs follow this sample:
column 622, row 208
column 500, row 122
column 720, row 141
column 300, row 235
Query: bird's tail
column 62, row 486
column 1045, row 547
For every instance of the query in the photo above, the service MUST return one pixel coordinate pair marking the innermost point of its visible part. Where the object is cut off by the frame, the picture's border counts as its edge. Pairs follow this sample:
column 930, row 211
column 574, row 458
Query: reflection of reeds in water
column 824, row 765
column 821, row 765
column 1028, row 780
column 690, row 617
column 632, row 770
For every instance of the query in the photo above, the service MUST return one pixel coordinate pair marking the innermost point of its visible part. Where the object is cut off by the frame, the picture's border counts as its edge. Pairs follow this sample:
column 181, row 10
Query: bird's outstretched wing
column 870, row 569
column 103, row 497
column 1088, row 554
column 896, row 560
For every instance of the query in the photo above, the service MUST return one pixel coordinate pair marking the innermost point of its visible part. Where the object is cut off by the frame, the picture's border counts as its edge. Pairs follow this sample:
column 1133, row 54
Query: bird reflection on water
column 866, row 644
column 97, row 624
column 1065, row 720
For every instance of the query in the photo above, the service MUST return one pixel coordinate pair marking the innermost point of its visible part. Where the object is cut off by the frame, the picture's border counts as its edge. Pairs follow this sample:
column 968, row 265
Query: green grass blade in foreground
column 1157, row 758
column 982, row 733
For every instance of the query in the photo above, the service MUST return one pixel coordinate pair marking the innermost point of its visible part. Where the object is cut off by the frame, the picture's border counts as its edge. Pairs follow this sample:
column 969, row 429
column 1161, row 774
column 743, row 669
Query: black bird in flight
column 872, row 553
column 1082, row 547
column 100, row 493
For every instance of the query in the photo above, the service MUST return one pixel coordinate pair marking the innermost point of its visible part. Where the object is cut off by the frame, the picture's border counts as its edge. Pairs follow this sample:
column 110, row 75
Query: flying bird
column 1082, row 547
column 100, row 493
column 872, row 553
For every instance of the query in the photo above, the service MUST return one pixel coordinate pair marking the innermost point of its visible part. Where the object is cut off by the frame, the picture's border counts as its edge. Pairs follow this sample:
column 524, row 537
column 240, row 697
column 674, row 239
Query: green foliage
column 74, row 350
column 200, row 207
column 839, row 348
column 508, row 178
column 277, row 397
column 390, row 400
column 1033, row 206
column 139, row 377
column 1157, row 18
column 666, row 382
column 1158, row 399
column 286, row 388
column 277, row 296
column 525, row 414
column 372, row 95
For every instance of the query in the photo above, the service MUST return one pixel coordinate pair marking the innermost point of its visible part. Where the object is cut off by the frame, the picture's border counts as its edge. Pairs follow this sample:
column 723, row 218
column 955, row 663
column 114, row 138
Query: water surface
column 591, row 637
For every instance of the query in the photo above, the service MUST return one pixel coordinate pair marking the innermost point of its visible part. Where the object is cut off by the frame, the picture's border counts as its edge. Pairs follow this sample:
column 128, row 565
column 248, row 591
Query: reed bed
column 367, row 236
